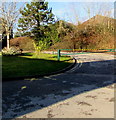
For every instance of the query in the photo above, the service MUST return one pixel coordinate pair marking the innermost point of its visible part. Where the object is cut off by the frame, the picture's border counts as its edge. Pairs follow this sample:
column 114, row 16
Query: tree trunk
column 74, row 45
column 8, row 40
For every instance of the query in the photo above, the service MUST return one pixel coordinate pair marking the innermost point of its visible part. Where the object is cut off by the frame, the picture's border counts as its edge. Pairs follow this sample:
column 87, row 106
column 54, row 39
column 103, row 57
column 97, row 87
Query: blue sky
column 74, row 11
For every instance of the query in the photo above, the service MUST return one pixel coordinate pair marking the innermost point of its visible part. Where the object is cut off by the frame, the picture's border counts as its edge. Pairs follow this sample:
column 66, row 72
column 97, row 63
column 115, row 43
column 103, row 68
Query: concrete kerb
column 38, row 76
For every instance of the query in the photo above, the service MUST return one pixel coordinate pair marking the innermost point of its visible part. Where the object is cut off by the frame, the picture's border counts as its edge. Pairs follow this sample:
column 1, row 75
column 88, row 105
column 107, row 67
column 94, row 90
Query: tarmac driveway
column 87, row 90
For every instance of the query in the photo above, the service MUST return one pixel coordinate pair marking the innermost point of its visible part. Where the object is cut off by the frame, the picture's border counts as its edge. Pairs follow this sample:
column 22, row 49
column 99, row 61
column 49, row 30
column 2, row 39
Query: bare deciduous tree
column 97, row 8
column 9, row 13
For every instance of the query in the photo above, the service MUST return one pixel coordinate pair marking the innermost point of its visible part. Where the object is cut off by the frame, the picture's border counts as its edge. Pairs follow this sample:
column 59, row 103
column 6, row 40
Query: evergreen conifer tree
column 35, row 18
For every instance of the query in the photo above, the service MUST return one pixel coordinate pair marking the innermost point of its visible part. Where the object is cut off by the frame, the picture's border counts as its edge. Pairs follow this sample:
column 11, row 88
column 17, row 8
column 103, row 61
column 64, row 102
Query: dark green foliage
column 51, row 34
column 35, row 17
column 38, row 22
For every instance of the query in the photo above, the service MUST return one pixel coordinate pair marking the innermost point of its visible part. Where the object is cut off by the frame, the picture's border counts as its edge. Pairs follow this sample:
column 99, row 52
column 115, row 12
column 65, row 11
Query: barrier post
column 53, row 52
column 59, row 54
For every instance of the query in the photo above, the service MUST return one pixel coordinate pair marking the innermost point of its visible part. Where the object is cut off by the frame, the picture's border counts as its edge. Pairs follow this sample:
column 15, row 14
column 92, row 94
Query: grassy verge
column 30, row 65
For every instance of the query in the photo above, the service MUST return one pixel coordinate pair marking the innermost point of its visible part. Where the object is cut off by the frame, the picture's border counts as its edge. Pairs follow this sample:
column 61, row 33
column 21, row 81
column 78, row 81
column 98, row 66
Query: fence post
column 59, row 54
column 53, row 52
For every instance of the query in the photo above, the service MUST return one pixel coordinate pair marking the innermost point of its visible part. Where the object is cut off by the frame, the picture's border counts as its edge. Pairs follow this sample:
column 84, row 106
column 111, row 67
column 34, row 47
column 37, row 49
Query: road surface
column 86, row 91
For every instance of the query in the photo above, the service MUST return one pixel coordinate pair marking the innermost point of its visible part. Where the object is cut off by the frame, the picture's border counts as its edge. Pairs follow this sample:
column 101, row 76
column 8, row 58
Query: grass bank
column 30, row 65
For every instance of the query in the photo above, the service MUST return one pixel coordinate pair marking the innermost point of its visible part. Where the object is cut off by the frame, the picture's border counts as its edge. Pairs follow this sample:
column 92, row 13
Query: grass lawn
column 30, row 65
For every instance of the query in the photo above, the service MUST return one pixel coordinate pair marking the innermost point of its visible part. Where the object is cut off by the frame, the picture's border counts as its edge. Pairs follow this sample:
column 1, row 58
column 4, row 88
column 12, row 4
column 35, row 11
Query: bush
column 24, row 43
column 11, row 51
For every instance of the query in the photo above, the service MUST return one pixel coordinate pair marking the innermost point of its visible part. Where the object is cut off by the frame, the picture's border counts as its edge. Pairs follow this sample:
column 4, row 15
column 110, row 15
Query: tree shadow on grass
column 16, row 67
column 29, row 95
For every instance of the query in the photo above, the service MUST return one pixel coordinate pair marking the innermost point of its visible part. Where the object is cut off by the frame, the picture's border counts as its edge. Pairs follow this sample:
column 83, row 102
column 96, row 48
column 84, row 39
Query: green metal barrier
column 111, row 50
column 59, row 51
column 66, row 49
column 59, row 54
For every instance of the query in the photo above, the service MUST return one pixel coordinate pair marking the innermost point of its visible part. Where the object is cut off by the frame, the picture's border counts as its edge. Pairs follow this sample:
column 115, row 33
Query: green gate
column 82, row 51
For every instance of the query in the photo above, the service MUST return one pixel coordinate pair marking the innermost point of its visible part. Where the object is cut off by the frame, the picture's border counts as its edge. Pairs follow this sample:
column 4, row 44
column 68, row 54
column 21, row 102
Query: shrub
column 11, row 51
column 24, row 43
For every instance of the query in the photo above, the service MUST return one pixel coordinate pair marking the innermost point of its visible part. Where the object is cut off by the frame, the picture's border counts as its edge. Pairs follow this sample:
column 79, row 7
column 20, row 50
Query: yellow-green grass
column 31, row 65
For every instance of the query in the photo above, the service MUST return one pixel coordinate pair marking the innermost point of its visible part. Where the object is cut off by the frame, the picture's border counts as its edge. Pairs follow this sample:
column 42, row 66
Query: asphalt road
column 92, row 71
